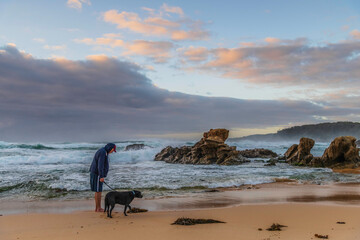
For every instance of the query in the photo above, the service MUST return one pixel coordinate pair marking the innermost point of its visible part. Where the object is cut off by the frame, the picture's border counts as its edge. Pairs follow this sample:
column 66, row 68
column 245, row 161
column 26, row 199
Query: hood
column 109, row 146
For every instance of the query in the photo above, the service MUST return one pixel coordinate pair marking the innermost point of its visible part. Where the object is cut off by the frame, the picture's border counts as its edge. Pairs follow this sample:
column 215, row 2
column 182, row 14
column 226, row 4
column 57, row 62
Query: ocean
column 61, row 170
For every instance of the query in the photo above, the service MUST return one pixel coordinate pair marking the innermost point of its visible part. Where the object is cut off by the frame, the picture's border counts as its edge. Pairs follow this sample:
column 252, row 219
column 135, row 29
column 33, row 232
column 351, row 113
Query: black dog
column 123, row 198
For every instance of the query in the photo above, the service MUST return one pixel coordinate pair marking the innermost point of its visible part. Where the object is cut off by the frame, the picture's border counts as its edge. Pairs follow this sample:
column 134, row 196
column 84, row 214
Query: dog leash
column 109, row 186
column 115, row 190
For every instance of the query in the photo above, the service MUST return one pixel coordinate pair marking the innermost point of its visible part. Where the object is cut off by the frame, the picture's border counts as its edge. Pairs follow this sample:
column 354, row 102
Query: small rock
column 340, row 222
column 259, row 229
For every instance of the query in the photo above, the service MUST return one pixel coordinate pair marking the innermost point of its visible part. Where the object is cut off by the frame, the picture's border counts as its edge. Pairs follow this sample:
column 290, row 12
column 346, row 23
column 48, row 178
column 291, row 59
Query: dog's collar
column 133, row 193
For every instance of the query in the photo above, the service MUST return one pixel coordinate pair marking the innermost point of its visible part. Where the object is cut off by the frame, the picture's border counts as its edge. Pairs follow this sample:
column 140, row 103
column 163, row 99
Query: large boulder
column 258, row 153
column 211, row 149
column 217, row 135
column 341, row 152
column 299, row 154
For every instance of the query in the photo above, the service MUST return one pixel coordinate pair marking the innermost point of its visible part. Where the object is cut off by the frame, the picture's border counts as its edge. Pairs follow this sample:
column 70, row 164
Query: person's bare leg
column 98, row 202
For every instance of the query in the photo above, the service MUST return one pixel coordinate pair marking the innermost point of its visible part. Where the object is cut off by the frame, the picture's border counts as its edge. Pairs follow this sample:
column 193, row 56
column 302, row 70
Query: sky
column 86, row 70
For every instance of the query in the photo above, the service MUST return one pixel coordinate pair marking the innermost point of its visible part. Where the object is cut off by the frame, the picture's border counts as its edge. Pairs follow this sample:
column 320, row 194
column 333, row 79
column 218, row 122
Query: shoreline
column 345, row 194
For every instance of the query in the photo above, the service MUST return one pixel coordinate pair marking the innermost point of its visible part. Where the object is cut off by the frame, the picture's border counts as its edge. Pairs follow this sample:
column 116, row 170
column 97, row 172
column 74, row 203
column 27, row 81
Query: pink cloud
column 170, row 9
column 355, row 34
column 272, row 40
column 158, row 24
column 189, row 35
column 195, row 53
column 109, row 39
column 158, row 51
column 286, row 63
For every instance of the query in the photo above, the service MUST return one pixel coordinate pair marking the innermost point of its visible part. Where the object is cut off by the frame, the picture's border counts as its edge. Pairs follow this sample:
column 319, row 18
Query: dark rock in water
column 271, row 162
column 212, row 190
column 259, row 161
column 258, row 153
column 136, row 146
column 276, row 227
column 193, row 221
column 60, row 190
column 211, row 149
column 341, row 152
column 300, row 154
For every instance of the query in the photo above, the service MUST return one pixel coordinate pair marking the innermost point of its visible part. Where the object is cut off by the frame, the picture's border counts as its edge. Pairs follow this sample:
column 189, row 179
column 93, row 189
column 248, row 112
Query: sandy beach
column 290, row 204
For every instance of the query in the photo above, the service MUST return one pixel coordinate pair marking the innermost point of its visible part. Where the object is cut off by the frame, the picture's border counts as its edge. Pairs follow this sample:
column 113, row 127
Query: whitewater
column 61, row 170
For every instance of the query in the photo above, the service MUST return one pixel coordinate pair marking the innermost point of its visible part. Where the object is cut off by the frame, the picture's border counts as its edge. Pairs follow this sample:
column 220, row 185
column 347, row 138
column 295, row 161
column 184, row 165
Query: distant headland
column 322, row 132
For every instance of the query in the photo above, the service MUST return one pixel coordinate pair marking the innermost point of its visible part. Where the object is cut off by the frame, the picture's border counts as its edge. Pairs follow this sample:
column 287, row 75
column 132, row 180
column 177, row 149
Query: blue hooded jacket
column 100, row 163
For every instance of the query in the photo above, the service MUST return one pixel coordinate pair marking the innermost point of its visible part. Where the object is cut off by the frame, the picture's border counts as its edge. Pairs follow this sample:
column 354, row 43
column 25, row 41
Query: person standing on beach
column 98, row 171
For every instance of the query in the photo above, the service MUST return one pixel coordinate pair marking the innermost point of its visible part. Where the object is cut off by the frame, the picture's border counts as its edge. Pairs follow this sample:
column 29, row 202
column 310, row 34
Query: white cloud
column 77, row 4
column 39, row 40
column 55, row 47
column 171, row 9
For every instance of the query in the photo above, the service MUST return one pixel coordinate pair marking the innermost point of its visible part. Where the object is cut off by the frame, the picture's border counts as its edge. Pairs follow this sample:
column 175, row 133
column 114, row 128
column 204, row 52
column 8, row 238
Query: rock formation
column 300, row 154
column 342, row 152
column 211, row 149
column 258, row 153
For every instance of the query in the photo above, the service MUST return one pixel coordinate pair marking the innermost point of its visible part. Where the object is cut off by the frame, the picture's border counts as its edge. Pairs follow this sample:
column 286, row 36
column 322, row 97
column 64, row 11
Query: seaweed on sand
column 276, row 227
column 322, row 236
column 136, row 210
column 193, row 221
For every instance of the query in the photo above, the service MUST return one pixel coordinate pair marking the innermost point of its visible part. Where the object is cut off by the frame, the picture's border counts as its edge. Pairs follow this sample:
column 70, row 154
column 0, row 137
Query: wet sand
column 305, row 209
column 271, row 193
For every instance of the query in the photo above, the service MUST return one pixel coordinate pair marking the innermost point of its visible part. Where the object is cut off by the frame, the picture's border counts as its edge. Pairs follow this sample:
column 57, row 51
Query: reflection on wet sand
column 272, row 193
